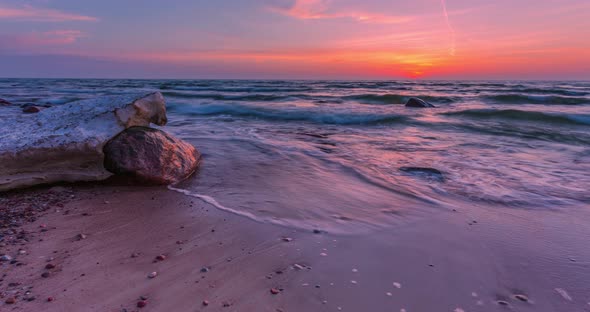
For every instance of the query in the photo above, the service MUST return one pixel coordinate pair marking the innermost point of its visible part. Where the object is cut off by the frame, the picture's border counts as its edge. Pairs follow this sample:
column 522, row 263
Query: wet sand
column 467, row 260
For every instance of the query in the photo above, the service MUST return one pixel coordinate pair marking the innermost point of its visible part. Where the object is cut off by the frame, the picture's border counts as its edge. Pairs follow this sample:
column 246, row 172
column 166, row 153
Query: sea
column 348, row 156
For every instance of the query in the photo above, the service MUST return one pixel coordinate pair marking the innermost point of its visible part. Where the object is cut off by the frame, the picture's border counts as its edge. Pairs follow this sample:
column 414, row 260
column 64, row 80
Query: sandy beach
column 105, row 241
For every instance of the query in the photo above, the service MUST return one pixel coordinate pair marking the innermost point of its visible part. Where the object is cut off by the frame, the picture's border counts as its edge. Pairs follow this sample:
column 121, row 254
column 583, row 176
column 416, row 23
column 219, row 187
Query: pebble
column 161, row 258
column 287, row 239
column 153, row 274
column 6, row 258
column 45, row 275
column 204, row 270
column 141, row 303
column 49, row 299
column 316, row 231
column 389, row 294
column 205, row 302
column 353, row 281
column 22, row 252
column 563, row 294
column 521, row 298
column 355, row 270
column 10, row 300
column 323, row 254
column 143, row 297
column 134, row 255
column 80, row 236
column 397, row 285
column 274, row 291
column 502, row 302
column 297, row 266
column 50, row 266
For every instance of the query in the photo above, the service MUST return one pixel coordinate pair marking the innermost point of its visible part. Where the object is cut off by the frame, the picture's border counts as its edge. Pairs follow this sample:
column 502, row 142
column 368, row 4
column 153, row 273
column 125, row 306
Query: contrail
column 451, row 30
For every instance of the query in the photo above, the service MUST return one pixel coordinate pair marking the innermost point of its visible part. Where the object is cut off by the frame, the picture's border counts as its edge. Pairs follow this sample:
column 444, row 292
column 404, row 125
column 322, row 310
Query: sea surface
column 347, row 156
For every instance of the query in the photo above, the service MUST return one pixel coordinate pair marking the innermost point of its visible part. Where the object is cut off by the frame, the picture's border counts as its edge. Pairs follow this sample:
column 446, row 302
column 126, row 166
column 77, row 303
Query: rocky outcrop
column 65, row 143
column 151, row 156
column 4, row 102
column 417, row 102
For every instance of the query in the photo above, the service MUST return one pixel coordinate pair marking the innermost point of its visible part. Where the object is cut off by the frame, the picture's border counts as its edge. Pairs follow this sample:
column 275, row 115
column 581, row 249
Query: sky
column 296, row 39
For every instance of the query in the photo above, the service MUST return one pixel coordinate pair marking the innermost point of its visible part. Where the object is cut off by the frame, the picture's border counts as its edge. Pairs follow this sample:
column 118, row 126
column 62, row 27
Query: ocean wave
column 536, row 99
column 224, row 97
column 395, row 98
column 521, row 115
column 270, row 114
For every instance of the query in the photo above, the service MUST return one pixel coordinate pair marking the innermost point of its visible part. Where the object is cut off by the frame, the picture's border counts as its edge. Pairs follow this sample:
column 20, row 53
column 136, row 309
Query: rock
column 5, row 258
column 205, row 302
column 287, row 239
column 416, row 102
column 204, row 270
column 160, row 258
column 65, row 143
column 50, row 266
column 134, row 255
column 32, row 109
column 153, row 275
column 4, row 102
column 141, row 303
column 80, row 236
column 274, row 291
column 45, row 275
column 49, row 299
column 521, row 297
column 10, row 300
column 151, row 156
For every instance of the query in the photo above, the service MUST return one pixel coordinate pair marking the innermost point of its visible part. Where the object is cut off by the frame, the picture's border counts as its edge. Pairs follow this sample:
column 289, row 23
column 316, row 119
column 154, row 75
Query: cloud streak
column 453, row 48
column 36, row 39
column 319, row 9
column 29, row 13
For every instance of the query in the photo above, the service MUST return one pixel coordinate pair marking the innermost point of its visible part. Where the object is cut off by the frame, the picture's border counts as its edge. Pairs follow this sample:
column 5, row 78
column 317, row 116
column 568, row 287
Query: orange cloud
column 32, row 14
column 319, row 9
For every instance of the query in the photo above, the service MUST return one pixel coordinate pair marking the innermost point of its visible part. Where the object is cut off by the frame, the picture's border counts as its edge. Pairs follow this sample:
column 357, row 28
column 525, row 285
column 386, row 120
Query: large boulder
column 417, row 102
column 65, row 142
column 151, row 156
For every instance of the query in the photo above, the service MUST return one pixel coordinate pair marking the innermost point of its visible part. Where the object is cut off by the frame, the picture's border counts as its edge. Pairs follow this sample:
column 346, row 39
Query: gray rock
column 65, row 143
column 5, row 258
column 417, row 102
column 151, row 156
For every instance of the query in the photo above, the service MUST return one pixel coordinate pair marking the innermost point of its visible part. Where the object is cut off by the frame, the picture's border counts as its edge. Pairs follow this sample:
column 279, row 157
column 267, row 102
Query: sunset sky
column 333, row 39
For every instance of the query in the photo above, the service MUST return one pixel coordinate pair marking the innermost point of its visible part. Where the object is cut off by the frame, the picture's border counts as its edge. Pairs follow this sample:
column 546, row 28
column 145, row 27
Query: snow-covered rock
column 65, row 143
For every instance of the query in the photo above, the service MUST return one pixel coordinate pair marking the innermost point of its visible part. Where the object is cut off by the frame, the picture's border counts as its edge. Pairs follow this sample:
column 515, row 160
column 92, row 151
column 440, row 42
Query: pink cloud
column 46, row 38
column 319, row 9
column 29, row 13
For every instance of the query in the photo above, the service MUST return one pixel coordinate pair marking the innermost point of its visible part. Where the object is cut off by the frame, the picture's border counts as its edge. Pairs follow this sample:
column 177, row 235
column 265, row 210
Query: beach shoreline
column 105, row 240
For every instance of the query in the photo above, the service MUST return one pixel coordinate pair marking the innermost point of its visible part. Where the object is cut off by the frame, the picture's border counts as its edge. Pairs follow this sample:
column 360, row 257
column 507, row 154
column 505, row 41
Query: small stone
column 161, row 258
column 22, row 252
column 389, row 294
column 143, row 297
column 522, row 298
column 355, row 270
column 353, row 282
column 204, row 270
column 323, row 254
column 397, row 285
column 205, row 302
column 6, row 258
column 31, row 109
column 287, row 239
column 316, row 231
column 81, row 236
column 297, row 266
column 134, row 255
column 10, row 300
column 153, row 274
column 141, row 303
column 226, row 304
column 502, row 302
column 50, row 266
column 274, row 291
column 49, row 299
column 45, row 275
